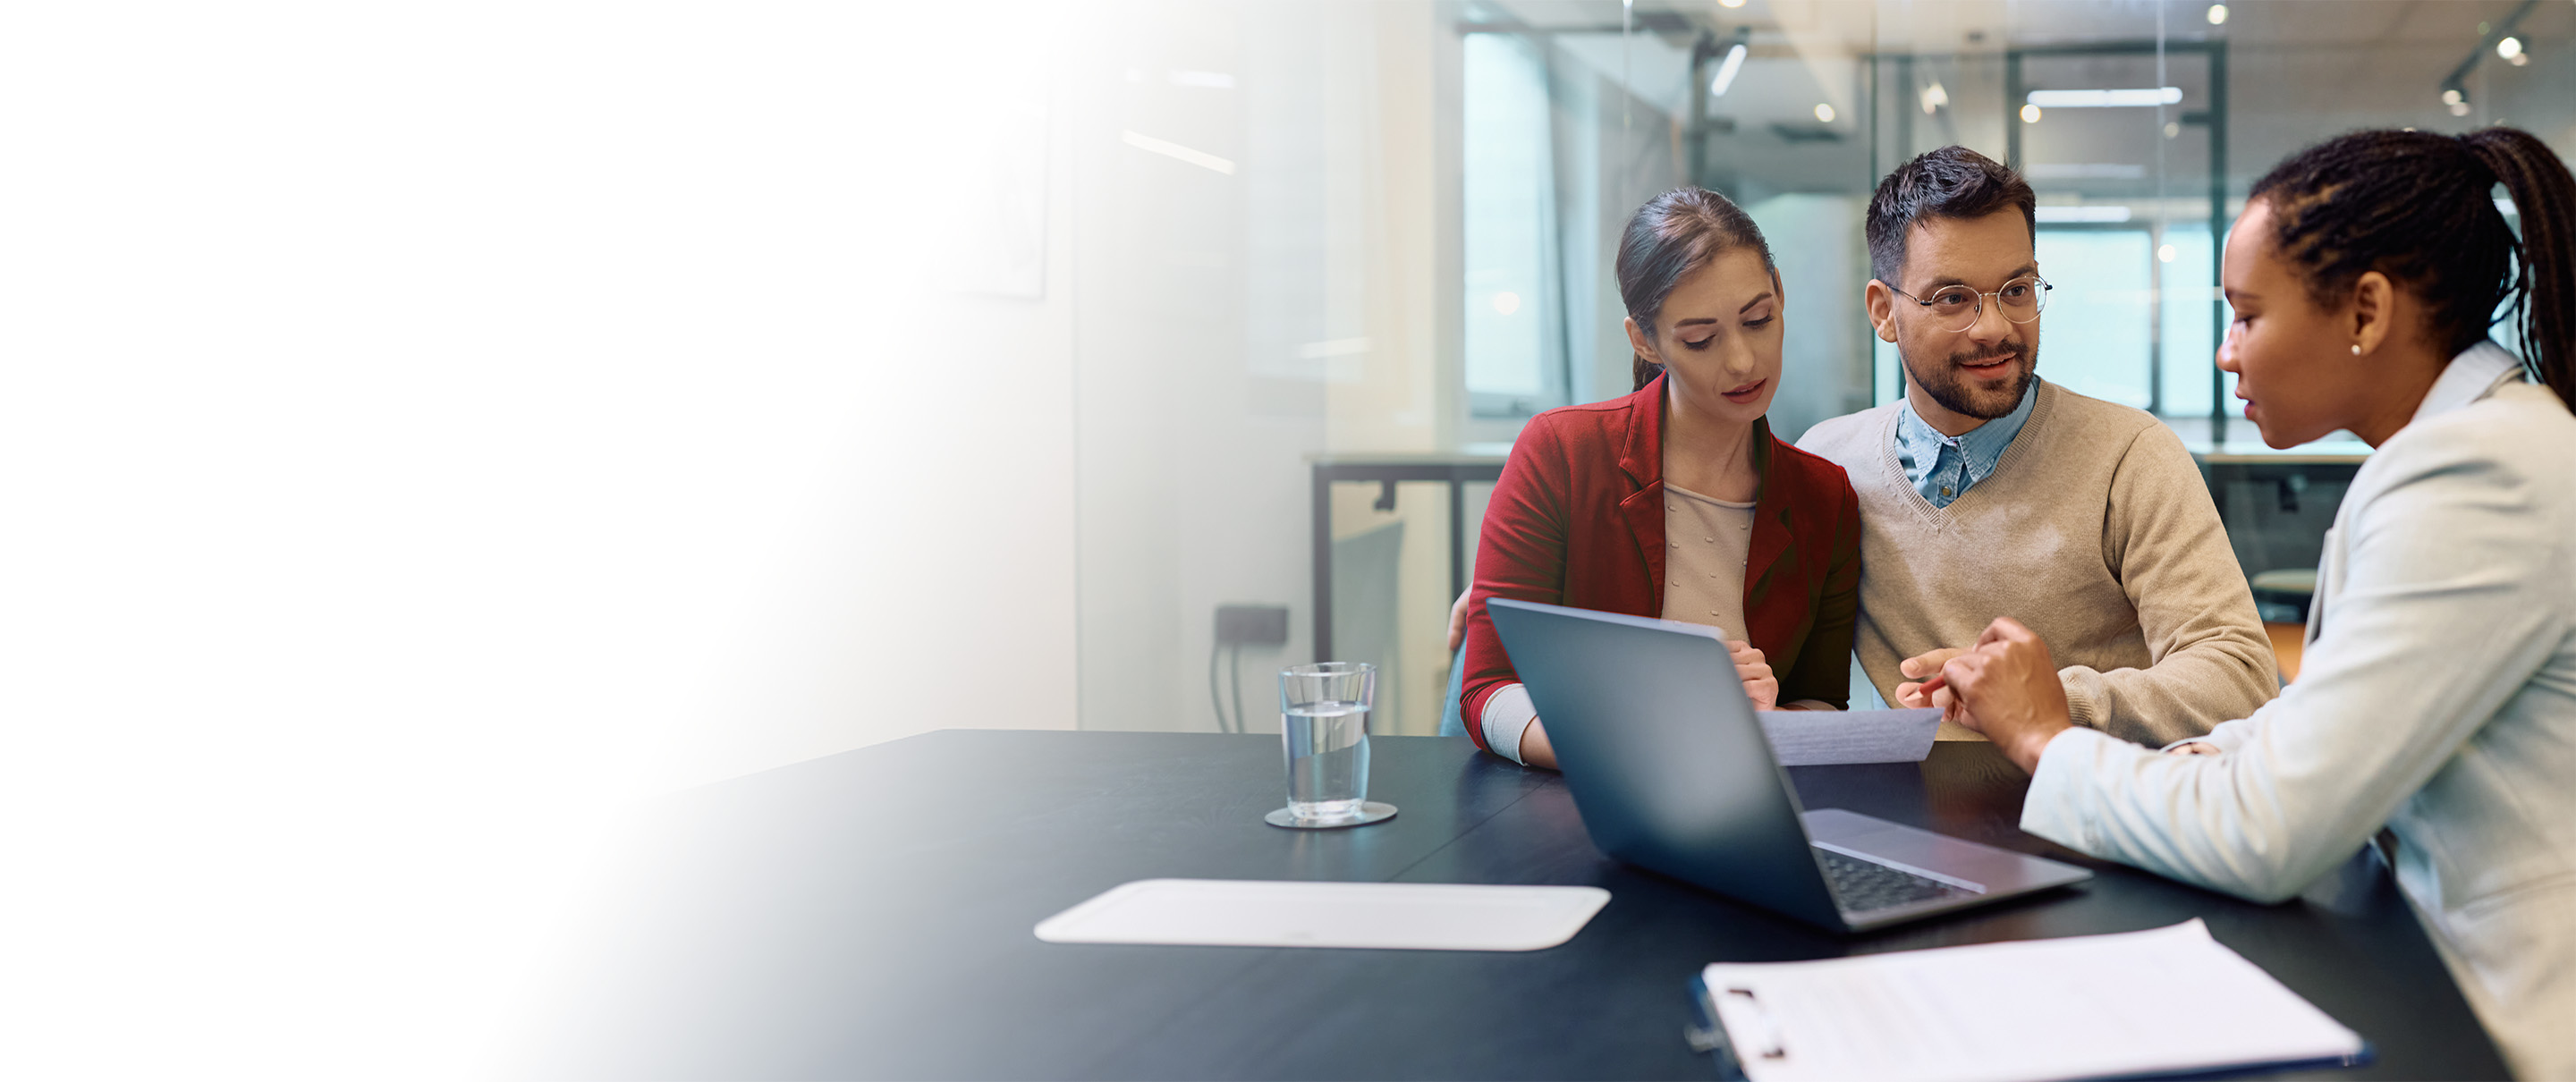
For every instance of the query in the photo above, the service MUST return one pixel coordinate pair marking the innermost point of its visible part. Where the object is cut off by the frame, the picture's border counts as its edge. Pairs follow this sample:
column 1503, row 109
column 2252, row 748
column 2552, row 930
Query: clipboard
column 1750, row 1042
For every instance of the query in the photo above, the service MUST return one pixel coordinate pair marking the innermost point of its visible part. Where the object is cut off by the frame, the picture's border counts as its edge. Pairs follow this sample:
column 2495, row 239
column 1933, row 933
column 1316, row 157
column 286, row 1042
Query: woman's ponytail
column 1644, row 371
column 2420, row 208
column 2544, row 286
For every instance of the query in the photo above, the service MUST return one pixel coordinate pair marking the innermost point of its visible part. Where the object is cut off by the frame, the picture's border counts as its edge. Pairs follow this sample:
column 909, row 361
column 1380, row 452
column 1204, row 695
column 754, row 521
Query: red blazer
column 1578, row 519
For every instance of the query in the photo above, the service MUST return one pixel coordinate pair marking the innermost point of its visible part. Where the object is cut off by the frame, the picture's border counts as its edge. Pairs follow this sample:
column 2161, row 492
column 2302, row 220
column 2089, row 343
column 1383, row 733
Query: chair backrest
column 1452, row 722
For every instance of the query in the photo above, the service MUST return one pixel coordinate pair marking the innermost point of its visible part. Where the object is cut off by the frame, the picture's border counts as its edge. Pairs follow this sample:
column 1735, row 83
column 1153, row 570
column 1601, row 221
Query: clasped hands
column 2005, row 688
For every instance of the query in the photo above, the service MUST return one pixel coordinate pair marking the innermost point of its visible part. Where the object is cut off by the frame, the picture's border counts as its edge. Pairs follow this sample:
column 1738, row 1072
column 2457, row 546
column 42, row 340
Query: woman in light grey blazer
column 2437, row 696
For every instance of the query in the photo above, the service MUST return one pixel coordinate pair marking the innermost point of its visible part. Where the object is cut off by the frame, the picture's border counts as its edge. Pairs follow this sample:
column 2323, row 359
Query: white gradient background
column 426, row 430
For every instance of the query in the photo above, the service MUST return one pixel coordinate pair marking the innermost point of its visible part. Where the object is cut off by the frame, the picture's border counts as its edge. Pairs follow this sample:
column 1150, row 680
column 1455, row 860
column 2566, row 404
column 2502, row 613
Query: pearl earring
column 2356, row 349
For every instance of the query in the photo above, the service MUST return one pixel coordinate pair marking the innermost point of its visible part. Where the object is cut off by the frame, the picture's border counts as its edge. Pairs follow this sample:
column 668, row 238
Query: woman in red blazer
column 1580, row 515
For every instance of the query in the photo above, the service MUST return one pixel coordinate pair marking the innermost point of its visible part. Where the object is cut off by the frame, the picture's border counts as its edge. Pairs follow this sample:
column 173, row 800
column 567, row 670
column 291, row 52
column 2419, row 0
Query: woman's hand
column 1458, row 621
column 2007, row 689
column 1535, row 750
column 1759, row 684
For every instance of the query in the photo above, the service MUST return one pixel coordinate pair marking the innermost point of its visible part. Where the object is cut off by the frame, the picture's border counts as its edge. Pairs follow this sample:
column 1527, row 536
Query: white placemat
column 1397, row 916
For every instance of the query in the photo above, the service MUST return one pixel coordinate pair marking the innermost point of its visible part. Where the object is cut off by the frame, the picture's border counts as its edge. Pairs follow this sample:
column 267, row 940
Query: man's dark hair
column 1952, row 182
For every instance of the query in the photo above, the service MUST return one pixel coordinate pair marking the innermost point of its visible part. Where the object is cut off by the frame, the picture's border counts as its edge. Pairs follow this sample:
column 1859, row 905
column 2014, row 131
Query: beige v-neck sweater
column 2095, row 530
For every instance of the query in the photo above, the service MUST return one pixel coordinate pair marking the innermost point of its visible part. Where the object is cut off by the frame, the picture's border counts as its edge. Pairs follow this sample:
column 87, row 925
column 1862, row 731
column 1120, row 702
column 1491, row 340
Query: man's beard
column 1951, row 388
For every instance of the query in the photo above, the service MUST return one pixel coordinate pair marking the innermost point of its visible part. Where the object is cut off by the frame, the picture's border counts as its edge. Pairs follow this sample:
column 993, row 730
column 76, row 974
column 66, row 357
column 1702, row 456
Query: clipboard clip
column 1706, row 1034
column 1743, row 1001
column 1710, row 1033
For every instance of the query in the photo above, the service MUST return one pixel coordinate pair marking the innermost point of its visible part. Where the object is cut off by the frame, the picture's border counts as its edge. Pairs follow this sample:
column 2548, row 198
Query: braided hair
column 1674, row 234
column 2418, row 207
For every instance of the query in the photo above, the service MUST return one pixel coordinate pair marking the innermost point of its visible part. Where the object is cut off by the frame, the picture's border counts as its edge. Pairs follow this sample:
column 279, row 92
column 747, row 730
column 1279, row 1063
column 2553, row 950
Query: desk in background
column 1386, row 472
column 2277, row 509
column 868, row 915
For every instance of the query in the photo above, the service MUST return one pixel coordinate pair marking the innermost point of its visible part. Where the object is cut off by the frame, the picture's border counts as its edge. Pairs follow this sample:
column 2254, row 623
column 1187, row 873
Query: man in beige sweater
column 1988, row 492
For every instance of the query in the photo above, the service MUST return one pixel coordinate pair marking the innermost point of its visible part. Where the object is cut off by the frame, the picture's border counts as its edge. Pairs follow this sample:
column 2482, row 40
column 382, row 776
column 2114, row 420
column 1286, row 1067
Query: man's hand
column 1458, row 621
column 2196, row 747
column 2008, row 691
column 1921, row 668
column 1759, row 684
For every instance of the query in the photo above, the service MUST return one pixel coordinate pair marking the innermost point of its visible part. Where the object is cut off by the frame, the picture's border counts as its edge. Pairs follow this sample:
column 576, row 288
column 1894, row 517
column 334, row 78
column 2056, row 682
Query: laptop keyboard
column 1864, row 887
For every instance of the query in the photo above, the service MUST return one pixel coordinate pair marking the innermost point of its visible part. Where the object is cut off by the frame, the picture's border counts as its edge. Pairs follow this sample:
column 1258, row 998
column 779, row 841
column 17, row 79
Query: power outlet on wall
column 1252, row 625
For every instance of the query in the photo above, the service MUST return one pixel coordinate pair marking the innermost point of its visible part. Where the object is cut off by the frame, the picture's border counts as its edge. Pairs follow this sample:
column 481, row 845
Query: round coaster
column 1370, row 812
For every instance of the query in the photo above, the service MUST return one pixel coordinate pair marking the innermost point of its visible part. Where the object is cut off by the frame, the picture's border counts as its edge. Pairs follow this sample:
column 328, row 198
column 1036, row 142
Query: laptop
column 1672, row 773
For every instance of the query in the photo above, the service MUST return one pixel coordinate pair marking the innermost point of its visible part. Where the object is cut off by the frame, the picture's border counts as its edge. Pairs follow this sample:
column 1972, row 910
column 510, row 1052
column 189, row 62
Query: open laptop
column 1671, row 770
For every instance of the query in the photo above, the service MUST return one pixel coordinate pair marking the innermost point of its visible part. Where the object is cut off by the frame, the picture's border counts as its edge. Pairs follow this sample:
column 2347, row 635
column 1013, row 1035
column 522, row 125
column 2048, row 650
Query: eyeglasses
column 1957, row 308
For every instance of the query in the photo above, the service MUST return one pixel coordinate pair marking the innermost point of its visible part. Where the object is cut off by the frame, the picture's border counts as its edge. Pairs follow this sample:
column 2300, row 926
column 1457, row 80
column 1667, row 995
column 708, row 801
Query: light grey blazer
column 2437, row 696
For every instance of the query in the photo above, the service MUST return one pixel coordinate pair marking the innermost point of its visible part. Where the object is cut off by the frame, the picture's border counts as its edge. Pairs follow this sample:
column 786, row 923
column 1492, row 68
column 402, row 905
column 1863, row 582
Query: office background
column 430, row 433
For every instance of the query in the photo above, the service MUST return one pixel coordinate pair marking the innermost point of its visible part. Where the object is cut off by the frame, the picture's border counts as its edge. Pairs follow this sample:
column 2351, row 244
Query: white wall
column 426, row 436
column 1233, row 324
column 414, row 423
column 921, row 573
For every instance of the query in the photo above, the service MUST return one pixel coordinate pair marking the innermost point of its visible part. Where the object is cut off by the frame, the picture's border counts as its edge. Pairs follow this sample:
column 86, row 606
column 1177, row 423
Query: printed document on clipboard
column 2036, row 1010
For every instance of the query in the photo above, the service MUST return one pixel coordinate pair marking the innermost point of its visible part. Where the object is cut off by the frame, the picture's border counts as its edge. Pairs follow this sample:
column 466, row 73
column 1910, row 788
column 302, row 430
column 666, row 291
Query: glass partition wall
column 2140, row 124
column 1320, row 255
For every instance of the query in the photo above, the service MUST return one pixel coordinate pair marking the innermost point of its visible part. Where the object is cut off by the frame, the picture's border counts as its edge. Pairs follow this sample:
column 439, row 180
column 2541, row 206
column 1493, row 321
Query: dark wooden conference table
column 869, row 915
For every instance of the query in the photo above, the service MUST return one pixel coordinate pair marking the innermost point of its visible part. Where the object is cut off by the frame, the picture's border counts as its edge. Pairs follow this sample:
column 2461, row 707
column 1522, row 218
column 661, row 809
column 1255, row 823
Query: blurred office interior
column 430, row 434
column 1378, row 236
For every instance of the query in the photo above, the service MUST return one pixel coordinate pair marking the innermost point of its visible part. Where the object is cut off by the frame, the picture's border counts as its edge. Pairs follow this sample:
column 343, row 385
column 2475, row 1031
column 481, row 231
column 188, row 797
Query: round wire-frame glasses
column 1956, row 307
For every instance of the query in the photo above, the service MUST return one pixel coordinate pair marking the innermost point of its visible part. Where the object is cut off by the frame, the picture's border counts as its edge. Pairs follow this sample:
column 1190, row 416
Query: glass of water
column 1323, row 722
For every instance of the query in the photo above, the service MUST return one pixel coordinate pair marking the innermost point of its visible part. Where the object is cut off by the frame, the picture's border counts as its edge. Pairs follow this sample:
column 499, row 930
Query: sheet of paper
column 2154, row 1002
column 1830, row 737
column 1401, row 916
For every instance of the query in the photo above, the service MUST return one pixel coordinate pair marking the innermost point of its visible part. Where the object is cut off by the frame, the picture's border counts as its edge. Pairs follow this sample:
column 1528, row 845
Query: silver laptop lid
column 1663, row 753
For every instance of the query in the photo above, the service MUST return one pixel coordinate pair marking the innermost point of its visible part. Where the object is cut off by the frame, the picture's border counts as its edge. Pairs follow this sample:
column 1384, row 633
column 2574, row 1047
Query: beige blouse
column 1707, row 543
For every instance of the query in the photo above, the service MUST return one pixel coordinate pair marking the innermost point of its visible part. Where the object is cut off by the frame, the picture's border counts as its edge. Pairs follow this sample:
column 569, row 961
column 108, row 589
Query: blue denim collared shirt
column 1942, row 467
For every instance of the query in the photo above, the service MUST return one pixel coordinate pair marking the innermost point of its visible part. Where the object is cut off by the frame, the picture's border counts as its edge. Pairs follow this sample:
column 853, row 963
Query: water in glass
column 1328, row 758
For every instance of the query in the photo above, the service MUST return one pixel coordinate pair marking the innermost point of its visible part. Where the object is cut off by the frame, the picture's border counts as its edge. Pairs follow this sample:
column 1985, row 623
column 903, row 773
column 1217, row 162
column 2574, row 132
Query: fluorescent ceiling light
column 1200, row 158
column 1934, row 97
column 2083, row 214
column 2105, row 99
column 1334, row 347
column 2084, row 171
column 1726, row 71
